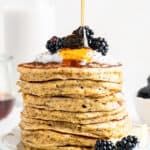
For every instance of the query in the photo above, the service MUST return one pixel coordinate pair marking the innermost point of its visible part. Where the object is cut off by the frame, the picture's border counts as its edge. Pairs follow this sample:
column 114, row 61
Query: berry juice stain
column 6, row 105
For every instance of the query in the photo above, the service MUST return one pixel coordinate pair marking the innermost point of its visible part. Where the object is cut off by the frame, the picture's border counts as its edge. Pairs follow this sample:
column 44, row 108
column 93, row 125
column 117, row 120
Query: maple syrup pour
column 6, row 105
column 82, row 12
column 83, row 22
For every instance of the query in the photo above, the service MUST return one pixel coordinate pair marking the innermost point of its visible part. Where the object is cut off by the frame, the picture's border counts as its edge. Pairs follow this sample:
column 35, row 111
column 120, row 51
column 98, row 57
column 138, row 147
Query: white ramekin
column 143, row 109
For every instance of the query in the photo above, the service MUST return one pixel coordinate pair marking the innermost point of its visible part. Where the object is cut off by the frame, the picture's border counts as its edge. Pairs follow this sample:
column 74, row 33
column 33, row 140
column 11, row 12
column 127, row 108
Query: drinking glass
column 6, row 86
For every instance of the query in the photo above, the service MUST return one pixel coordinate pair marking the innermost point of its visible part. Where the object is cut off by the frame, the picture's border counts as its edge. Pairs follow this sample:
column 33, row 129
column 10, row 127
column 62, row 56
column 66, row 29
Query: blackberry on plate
column 54, row 44
column 99, row 44
column 127, row 143
column 80, row 31
column 104, row 145
column 73, row 41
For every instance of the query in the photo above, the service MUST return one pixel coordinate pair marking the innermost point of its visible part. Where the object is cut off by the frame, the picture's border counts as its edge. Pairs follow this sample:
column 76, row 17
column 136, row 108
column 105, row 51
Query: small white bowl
column 143, row 109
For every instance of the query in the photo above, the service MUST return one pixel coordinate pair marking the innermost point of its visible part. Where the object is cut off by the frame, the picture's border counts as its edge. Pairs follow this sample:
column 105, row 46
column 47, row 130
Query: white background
column 124, row 23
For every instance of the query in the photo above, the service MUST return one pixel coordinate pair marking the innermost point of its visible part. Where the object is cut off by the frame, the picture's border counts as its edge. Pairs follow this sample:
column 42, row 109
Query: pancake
column 58, row 148
column 27, row 147
column 80, row 118
column 70, row 88
column 69, row 108
column 52, row 71
column 47, row 138
column 99, row 130
column 73, row 104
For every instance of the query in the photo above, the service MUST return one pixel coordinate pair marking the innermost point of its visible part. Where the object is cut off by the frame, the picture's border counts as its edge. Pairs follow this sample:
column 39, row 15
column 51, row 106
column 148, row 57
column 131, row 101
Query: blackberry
column 89, row 32
column 104, row 145
column 127, row 143
column 54, row 44
column 80, row 31
column 99, row 44
column 73, row 41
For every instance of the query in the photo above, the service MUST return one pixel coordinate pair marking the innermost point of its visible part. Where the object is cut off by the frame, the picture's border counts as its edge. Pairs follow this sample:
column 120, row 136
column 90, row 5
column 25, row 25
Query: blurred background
column 26, row 25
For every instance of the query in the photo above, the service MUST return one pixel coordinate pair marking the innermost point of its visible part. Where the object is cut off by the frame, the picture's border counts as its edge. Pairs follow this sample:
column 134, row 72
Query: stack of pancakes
column 69, row 108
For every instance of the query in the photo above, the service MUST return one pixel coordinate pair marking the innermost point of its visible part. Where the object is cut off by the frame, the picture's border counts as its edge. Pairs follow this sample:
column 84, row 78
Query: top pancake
column 52, row 71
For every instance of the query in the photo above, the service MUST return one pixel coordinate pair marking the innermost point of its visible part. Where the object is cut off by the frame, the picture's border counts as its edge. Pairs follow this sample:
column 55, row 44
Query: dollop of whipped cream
column 48, row 57
column 96, row 57
column 99, row 58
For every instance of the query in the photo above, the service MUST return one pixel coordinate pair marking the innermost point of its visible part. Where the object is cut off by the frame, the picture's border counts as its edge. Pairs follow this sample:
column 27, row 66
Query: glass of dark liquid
column 6, row 86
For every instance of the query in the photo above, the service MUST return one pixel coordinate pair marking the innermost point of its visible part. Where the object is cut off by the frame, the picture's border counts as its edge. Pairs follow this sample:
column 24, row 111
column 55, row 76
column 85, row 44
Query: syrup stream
column 83, row 22
column 82, row 12
column 75, row 62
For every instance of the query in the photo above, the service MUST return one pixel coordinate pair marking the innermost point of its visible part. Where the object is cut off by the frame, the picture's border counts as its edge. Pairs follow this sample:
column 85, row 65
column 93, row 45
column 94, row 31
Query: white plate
column 12, row 139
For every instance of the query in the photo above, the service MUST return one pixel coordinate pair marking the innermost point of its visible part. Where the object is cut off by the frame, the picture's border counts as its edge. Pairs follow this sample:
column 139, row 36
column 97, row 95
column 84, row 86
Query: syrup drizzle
column 82, row 12
column 76, row 62
column 83, row 22
column 72, row 63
